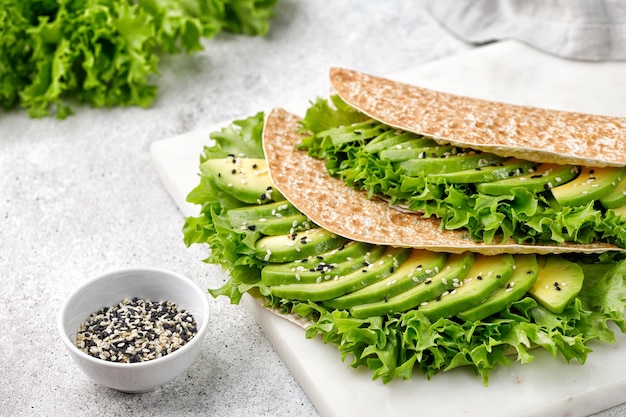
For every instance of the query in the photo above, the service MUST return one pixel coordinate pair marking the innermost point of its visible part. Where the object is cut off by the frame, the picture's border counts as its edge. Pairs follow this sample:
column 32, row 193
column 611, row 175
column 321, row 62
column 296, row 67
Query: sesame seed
column 135, row 330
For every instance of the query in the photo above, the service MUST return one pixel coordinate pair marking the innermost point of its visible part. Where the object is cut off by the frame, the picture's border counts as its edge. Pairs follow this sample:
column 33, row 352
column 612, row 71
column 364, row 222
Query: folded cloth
column 592, row 30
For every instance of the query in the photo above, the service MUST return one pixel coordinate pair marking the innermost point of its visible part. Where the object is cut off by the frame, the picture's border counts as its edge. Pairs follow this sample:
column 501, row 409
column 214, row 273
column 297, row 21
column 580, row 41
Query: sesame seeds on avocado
column 297, row 245
column 591, row 184
column 435, row 162
column 455, row 269
column 524, row 276
column 315, row 268
column 246, row 179
column 275, row 218
column 380, row 264
column 545, row 177
column 559, row 282
column 420, row 265
column 617, row 197
column 487, row 274
column 509, row 168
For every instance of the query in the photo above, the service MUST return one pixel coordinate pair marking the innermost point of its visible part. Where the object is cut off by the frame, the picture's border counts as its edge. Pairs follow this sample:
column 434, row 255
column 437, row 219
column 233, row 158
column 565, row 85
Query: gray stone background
column 79, row 197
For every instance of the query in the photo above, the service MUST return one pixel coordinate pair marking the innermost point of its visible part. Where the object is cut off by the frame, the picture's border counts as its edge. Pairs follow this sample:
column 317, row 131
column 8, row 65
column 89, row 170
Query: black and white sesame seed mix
column 135, row 330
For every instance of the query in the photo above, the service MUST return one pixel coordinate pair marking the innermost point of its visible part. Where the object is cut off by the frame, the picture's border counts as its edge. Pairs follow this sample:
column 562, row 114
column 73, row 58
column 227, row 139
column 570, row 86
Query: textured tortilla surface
column 536, row 134
column 331, row 204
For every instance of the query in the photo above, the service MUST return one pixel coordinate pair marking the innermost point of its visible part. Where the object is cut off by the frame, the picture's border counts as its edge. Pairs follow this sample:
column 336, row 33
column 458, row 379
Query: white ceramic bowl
column 145, row 283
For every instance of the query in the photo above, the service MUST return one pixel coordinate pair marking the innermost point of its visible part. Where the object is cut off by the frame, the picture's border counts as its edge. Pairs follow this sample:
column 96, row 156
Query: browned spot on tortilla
column 331, row 204
column 525, row 132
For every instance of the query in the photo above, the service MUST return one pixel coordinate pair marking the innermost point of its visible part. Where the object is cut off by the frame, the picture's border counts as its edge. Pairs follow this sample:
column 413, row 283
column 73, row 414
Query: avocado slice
column 558, row 283
column 337, row 262
column 545, row 177
column 274, row 218
column 417, row 149
column 391, row 138
column 375, row 270
column 508, row 168
column 453, row 271
column 358, row 131
column 487, row 274
column 297, row 245
column 617, row 197
column 420, row 265
column 591, row 184
column 441, row 162
column 524, row 276
column 246, row 179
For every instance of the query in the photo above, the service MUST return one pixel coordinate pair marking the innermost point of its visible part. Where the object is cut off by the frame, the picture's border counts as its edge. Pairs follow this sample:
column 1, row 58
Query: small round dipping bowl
column 144, row 283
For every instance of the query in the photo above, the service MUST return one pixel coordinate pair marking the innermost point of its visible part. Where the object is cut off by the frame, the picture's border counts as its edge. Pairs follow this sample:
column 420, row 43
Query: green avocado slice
column 420, row 265
column 376, row 269
column 507, row 169
column 442, row 163
column 297, row 245
column 390, row 139
column 487, row 274
column 454, row 270
column 617, row 197
column 591, row 184
column 337, row 262
column 356, row 132
column 246, row 179
column 525, row 275
column 558, row 283
column 544, row 178
column 274, row 218
column 418, row 150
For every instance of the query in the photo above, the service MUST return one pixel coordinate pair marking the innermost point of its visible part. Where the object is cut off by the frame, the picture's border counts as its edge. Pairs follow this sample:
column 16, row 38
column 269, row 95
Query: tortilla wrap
column 329, row 203
column 508, row 130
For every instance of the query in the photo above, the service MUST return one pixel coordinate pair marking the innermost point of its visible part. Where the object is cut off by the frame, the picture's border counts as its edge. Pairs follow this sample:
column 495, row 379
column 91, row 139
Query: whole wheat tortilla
column 531, row 133
column 328, row 202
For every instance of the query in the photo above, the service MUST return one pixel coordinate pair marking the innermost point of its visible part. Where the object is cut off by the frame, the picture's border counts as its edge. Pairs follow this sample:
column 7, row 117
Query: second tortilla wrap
column 536, row 134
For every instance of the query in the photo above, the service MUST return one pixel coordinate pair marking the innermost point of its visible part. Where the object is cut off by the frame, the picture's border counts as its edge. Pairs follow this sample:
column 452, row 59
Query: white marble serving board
column 506, row 71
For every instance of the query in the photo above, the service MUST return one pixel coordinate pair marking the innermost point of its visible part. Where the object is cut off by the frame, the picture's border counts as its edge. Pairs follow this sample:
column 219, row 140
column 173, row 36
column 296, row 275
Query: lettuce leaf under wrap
column 397, row 345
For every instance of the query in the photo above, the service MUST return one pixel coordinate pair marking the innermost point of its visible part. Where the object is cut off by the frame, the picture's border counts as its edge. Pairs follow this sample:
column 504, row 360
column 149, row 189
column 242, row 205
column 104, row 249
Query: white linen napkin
column 593, row 30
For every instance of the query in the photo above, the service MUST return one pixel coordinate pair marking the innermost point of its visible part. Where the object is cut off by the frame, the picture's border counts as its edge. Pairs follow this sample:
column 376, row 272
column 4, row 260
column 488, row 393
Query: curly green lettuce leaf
column 250, row 17
column 106, row 52
column 242, row 137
